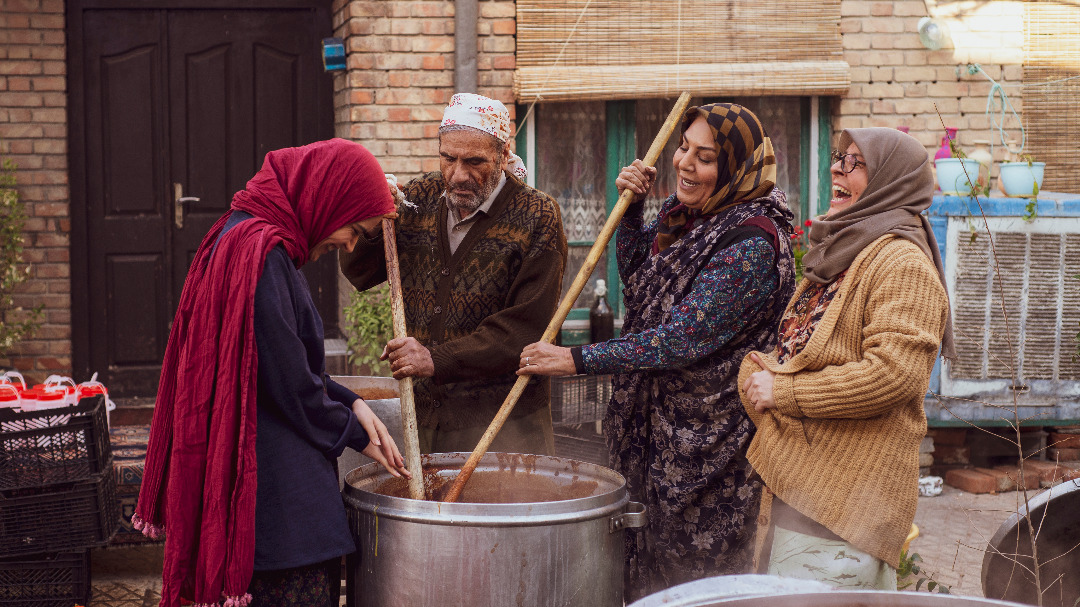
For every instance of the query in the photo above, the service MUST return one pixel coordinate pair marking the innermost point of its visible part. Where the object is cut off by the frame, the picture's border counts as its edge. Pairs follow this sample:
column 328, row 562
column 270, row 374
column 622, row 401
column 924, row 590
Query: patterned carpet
column 129, row 451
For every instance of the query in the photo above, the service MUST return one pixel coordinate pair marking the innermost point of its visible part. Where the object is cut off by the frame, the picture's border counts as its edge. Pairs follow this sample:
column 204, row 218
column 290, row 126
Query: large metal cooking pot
column 711, row 589
column 772, row 591
column 567, row 551
column 1007, row 565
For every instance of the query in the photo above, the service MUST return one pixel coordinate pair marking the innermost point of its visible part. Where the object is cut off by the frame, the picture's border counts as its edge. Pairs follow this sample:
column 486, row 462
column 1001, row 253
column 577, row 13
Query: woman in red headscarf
column 259, row 513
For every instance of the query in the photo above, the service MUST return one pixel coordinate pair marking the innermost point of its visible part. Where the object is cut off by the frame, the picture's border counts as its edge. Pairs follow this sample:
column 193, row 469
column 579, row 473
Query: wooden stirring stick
column 568, row 300
column 408, row 403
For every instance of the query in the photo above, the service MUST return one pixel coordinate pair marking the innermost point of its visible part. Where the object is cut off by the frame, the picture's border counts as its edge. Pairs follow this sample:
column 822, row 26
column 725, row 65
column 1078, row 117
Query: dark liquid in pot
column 508, row 486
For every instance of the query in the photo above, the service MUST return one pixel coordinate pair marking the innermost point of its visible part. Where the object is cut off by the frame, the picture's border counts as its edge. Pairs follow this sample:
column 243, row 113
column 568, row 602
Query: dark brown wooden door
column 177, row 103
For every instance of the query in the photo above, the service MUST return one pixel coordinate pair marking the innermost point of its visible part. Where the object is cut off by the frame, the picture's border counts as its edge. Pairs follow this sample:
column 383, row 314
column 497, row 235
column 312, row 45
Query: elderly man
column 482, row 257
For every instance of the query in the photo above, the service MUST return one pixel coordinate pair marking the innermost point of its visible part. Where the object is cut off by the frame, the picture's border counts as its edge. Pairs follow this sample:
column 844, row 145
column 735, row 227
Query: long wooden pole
column 568, row 300
column 408, row 403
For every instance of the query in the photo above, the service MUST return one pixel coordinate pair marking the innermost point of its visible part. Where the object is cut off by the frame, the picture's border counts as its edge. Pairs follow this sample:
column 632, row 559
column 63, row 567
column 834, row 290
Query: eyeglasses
column 848, row 162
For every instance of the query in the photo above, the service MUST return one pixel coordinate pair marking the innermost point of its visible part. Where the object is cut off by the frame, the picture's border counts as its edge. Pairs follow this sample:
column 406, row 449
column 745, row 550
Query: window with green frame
column 575, row 151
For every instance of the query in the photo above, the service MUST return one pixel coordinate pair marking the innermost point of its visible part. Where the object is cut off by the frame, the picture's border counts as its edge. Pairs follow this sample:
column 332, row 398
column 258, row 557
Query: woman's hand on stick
column 542, row 358
column 638, row 178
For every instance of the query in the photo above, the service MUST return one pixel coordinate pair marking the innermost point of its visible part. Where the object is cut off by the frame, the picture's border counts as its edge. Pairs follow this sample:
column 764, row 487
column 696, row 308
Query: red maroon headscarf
column 199, row 478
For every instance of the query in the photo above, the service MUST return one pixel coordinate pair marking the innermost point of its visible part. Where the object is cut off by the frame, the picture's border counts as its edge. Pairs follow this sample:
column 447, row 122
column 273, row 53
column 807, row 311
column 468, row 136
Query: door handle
column 178, row 204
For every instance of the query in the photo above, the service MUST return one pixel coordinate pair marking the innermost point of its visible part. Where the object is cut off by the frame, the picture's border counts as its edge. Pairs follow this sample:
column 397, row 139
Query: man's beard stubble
column 465, row 205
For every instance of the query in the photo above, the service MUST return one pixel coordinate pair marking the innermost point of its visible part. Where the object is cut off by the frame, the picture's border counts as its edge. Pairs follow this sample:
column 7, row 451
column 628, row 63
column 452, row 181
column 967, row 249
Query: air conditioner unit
column 1015, row 300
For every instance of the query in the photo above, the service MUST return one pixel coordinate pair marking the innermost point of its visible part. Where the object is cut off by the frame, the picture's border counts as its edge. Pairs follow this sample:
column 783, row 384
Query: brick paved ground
column 954, row 528
column 126, row 576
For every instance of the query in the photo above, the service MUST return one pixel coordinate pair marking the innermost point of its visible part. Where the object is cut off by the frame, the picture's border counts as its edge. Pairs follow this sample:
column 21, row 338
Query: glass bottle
column 601, row 317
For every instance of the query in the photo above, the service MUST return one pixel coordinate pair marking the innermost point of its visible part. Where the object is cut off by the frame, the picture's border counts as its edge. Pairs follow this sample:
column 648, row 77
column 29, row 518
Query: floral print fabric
column 799, row 321
column 675, row 426
column 706, row 319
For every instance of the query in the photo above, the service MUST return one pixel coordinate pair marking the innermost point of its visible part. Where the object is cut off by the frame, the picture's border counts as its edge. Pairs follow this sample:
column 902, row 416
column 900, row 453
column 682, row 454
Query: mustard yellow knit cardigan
column 842, row 444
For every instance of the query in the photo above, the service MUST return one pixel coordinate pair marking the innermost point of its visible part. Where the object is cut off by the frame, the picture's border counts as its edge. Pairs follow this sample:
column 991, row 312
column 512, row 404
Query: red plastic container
column 36, row 399
column 28, row 400
column 9, row 396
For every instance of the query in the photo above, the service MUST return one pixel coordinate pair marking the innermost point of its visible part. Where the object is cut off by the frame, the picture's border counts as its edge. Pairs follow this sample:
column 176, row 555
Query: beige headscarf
column 900, row 187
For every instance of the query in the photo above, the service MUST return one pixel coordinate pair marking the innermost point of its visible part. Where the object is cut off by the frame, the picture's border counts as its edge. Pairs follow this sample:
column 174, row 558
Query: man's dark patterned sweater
column 476, row 309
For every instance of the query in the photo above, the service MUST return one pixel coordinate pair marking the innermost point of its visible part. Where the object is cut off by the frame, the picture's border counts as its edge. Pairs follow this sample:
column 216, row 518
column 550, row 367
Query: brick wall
column 401, row 74
column 33, row 133
column 401, row 70
column 896, row 81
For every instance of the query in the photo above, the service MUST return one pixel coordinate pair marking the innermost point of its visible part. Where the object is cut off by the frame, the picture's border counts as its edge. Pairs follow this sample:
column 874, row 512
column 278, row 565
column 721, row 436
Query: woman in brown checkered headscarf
column 746, row 169
column 705, row 284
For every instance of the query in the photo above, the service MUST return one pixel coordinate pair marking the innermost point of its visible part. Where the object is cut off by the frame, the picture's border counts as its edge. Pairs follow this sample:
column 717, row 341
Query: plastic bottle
column 28, row 400
column 9, row 396
column 9, row 377
column 58, row 391
column 601, row 317
column 945, row 151
column 46, row 397
column 91, row 388
column 52, row 399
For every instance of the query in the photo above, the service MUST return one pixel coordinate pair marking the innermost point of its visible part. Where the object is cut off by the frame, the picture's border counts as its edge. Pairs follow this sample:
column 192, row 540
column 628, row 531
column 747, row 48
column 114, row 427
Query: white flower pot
column 953, row 174
column 1020, row 178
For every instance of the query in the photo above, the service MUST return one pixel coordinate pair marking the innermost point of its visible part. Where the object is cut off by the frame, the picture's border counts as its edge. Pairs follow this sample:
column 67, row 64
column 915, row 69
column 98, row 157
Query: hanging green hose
column 997, row 95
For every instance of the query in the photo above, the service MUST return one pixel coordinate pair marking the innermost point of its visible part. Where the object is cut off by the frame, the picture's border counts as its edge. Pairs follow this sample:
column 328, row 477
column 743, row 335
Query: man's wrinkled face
column 471, row 166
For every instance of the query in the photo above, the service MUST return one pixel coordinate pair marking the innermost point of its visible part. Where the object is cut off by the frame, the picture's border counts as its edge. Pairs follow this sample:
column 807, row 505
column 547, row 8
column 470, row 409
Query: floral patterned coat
column 675, row 426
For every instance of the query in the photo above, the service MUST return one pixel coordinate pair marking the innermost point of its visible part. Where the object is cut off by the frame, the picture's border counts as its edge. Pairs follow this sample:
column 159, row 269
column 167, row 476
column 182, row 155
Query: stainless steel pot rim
column 1013, row 528
column 430, row 516
column 837, row 598
column 1035, row 505
column 464, row 513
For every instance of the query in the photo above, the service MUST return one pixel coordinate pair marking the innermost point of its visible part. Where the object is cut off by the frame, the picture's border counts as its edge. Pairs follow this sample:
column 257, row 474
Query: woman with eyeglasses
column 839, row 404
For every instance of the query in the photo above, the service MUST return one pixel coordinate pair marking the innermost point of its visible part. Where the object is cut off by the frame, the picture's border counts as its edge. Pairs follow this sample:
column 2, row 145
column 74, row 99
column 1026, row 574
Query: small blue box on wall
column 333, row 54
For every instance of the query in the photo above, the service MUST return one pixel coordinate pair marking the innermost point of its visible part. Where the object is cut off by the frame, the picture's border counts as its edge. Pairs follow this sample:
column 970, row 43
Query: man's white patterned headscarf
column 487, row 115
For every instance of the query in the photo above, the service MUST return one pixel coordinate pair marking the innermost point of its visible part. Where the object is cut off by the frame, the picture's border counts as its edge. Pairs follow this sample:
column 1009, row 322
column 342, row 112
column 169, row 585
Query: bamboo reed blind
column 1051, row 112
column 632, row 49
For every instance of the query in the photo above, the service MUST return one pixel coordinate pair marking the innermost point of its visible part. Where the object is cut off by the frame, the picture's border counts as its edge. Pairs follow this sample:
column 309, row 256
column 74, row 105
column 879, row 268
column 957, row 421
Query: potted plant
column 1022, row 178
column 15, row 321
column 368, row 326
column 957, row 175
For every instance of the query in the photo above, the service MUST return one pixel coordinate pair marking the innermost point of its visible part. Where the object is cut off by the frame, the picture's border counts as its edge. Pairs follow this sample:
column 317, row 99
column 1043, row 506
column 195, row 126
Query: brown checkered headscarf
column 746, row 166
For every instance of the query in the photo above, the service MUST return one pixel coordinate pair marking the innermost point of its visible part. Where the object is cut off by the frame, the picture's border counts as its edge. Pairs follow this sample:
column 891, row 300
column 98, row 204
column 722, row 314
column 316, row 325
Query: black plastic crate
column 54, row 446
column 64, row 517
column 46, row 580
column 578, row 399
column 581, row 442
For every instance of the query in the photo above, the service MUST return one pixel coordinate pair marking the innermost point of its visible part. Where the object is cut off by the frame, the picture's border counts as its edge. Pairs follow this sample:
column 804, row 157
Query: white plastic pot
column 953, row 175
column 1020, row 178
